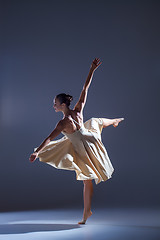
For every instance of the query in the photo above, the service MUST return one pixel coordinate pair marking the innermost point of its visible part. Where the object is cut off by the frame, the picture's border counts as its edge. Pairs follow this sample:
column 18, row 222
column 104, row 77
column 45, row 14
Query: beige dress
column 81, row 151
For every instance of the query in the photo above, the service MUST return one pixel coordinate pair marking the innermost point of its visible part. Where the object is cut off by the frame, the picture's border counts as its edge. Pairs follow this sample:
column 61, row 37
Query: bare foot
column 85, row 217
column 117, row 121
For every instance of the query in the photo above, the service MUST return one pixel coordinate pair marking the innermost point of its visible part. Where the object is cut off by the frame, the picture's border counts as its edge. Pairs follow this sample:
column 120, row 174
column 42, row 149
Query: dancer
column 81, row 149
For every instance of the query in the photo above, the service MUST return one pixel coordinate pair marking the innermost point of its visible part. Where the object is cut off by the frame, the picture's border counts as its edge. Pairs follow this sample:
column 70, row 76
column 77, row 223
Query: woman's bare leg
column 107, row 122
column 87, row 197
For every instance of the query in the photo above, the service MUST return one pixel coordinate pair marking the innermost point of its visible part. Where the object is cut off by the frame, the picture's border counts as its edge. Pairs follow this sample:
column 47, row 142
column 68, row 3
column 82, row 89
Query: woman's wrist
column 92, row 69
column 36, row 152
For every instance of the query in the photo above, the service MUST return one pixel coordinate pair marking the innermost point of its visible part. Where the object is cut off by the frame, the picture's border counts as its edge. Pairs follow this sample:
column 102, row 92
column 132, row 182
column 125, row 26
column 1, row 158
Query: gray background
column 47, row 48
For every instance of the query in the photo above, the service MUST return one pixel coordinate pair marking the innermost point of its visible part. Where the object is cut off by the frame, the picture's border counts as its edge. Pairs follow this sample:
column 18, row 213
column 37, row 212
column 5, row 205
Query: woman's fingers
column 97, row 61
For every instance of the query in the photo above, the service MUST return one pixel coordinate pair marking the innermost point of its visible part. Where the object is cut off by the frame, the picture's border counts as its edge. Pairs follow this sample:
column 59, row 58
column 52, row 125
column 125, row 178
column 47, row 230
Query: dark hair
column 64, row 98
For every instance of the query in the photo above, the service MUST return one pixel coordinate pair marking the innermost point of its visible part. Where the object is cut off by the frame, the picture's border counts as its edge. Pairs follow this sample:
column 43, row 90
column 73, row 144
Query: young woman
column 81, row 148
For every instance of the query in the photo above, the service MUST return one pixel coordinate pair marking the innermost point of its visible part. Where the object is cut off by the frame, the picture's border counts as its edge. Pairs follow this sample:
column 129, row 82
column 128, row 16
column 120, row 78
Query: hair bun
column 64, row 98
column 70, row 98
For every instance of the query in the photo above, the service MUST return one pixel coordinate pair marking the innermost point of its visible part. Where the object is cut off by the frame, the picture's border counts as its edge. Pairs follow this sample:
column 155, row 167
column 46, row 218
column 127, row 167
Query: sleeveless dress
column 81, row 151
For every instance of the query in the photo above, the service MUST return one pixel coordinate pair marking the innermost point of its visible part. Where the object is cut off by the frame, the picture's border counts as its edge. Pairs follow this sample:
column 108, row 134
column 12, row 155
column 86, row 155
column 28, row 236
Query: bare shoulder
column 77, row 114
column 61, row 124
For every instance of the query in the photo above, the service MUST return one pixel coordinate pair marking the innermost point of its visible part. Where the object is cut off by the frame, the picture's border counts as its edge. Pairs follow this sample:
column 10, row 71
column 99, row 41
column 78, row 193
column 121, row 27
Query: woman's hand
column 33, row 157
column 95, row 64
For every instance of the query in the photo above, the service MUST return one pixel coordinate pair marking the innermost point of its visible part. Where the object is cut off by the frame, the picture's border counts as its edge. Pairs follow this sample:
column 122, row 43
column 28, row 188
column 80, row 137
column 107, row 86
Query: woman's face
column 56, row 104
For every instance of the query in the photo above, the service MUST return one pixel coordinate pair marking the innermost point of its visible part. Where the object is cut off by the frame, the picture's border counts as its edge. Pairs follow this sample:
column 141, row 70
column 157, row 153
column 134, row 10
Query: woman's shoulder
column 62, row 122
column 76, row 114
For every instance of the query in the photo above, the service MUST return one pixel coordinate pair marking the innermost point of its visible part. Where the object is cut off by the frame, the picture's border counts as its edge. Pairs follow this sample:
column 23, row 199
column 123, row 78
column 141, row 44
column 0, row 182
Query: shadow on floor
column 25, row 228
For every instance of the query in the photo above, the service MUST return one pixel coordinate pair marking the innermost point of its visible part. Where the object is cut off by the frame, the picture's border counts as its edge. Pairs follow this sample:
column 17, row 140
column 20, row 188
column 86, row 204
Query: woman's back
column 72, row 122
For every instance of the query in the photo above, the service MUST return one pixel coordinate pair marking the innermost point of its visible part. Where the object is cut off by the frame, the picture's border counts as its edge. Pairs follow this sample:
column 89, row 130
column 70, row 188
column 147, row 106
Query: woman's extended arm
column 83, row 96
column 54, row 133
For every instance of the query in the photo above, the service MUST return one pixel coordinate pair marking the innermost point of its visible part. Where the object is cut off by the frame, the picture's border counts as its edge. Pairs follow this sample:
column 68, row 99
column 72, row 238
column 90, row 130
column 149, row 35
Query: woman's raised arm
column 83, row 96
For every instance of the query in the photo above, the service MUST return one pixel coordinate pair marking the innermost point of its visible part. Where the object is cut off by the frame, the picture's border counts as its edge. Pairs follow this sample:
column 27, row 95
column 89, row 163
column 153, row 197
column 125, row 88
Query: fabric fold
column 82, row 152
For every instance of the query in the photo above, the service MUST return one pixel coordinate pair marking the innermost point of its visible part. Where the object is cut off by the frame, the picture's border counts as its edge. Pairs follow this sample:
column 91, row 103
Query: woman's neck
column 66, row 112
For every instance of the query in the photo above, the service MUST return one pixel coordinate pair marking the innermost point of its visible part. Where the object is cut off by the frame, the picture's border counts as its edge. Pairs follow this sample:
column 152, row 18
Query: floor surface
column 104, row 224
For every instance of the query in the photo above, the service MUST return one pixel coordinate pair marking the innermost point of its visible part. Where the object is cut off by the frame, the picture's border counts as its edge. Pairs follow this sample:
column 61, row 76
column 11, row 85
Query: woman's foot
column 85, row 217
column 117, row 121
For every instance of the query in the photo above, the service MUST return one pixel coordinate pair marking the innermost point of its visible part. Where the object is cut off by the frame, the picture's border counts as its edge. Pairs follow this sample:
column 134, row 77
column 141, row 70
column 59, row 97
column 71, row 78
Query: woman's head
column 62, row 99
